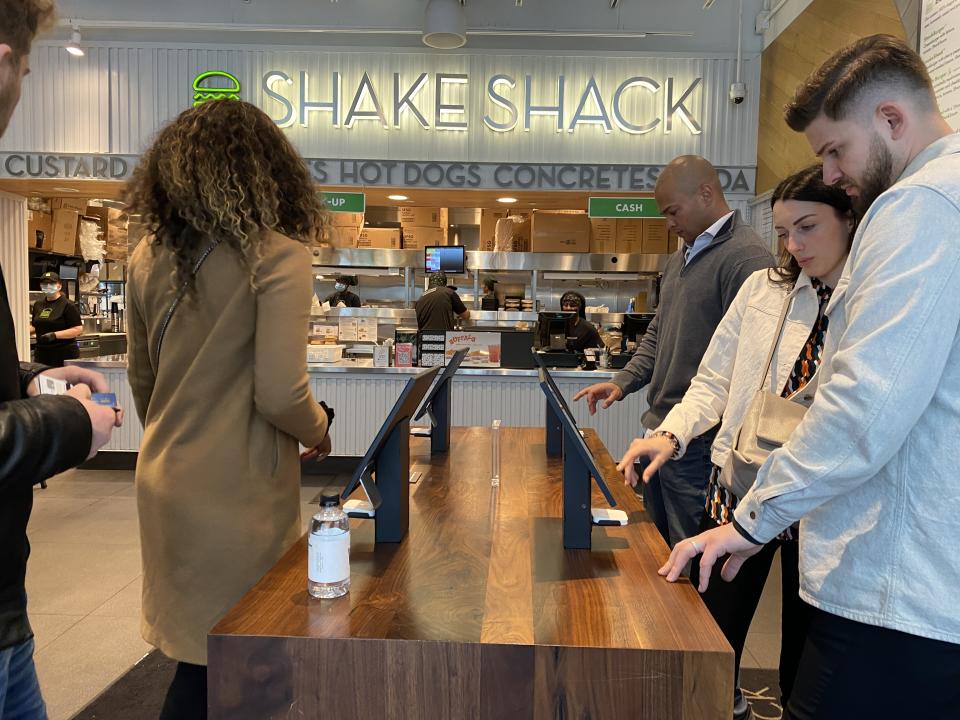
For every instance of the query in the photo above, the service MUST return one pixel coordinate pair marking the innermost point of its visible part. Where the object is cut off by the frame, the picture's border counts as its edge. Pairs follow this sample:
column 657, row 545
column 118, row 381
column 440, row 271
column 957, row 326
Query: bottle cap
column 329, row 499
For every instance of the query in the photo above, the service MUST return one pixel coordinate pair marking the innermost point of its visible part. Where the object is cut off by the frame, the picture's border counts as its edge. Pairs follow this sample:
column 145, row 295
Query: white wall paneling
column 115, row 98
column 13, row 260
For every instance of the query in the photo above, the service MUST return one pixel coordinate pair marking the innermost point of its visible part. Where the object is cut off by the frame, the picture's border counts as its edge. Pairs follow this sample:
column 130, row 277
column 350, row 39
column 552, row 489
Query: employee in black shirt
column 341, row 293
column 489, row 300
column 585, row 335
column 56, row 322
column 437, row 307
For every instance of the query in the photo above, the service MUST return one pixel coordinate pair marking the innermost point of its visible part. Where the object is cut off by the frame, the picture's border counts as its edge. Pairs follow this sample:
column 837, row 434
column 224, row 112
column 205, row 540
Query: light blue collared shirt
column 705, row 238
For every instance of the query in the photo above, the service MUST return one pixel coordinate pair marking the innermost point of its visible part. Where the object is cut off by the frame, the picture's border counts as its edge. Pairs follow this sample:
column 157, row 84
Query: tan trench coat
column 218, row 475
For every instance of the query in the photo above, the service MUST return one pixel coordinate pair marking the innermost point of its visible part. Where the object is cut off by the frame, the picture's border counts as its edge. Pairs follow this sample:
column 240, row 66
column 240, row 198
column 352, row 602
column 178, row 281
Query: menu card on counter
column 367, row 329
column 323, row 330
column 348, row 328
column 484, row 347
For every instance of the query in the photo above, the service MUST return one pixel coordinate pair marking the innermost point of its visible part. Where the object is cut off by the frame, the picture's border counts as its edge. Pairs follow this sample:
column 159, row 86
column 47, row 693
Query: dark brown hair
column 835, row 86
column 807, row 186
column 21, row 20
column 223, row 170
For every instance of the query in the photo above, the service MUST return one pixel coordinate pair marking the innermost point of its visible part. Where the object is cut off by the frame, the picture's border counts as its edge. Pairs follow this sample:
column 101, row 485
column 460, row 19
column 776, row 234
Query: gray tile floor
column 84, row 577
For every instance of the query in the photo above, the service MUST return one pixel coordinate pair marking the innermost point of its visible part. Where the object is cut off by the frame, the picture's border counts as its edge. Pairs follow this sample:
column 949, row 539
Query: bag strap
column 180, row 295
column 776, row 338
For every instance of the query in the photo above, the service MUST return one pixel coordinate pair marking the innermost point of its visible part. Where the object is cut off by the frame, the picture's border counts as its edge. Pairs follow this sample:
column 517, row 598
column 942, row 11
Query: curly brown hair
column 21, row 20
column 223, row 171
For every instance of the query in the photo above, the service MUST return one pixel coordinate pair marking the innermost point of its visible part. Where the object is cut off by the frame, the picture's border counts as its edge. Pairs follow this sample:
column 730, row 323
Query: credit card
column 108, row 399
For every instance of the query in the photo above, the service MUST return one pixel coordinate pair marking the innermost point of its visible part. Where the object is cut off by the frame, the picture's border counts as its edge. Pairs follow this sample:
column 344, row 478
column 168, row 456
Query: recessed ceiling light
column 66, row 189
column 397, row 197
column 506, row 200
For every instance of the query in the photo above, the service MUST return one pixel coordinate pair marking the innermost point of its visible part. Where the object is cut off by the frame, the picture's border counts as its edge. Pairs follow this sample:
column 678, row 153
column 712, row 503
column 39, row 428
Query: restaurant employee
column 341, row 293
column 56, row 322
column 437, row 307
column 585, row 335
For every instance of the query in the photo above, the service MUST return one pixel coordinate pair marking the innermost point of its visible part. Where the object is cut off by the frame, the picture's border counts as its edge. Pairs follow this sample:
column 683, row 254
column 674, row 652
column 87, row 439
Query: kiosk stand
column 437, row 407
column 384, row 471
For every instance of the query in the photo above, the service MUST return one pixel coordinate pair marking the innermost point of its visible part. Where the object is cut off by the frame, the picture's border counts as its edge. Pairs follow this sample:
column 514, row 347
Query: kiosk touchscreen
column 437, row 406
column 384, row 471
column 579, row 466
column 554, row 431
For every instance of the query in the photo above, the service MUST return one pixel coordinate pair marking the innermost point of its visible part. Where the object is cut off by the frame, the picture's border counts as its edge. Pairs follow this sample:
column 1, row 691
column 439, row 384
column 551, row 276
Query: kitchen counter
column 363, row 396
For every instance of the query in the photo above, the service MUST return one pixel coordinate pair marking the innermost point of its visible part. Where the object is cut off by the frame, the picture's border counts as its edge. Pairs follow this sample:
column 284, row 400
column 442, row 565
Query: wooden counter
column 479, row 612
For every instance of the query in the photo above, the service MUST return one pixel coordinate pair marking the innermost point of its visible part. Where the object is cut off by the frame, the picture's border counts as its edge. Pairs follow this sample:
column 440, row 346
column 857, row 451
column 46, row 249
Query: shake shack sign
column 67, row 166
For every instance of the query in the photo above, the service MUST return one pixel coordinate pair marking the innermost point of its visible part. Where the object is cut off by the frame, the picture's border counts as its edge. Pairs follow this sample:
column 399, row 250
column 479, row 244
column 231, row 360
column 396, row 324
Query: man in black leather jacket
column 39, row 436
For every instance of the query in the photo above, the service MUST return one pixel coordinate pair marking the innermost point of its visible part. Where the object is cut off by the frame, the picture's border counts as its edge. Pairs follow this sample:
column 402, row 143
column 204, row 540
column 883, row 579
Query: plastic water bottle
column 328, row 556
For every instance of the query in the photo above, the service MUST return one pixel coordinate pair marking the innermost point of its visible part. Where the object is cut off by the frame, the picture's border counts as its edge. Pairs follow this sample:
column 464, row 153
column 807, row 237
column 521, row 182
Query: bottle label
column 328, row 557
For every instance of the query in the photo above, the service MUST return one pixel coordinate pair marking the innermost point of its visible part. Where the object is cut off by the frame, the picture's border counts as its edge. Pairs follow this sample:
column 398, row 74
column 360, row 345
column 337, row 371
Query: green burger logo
column 205, row 91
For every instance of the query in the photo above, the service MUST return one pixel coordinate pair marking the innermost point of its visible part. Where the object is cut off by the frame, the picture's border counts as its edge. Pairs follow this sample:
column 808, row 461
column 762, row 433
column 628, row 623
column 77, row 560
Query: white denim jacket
column 733, row 366
column 873, row 468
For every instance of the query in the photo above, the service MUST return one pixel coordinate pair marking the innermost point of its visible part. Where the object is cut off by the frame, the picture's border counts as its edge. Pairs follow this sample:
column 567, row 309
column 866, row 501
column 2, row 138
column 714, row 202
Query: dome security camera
column 738, row 91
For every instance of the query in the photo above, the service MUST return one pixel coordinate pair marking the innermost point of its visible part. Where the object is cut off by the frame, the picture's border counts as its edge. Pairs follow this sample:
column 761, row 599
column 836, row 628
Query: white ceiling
column 270, row 22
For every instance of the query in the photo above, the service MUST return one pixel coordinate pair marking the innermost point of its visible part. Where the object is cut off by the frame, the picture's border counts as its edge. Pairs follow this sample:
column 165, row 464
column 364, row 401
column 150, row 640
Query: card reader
column 607, row 516
column 359, row 509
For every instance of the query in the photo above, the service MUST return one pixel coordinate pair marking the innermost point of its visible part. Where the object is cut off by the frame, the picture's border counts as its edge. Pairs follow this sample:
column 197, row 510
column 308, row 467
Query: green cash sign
column 351, row 202
column 621, row 207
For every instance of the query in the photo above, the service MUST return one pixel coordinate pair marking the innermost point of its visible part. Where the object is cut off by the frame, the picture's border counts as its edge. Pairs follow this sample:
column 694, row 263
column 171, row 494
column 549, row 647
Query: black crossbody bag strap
column 180, row 295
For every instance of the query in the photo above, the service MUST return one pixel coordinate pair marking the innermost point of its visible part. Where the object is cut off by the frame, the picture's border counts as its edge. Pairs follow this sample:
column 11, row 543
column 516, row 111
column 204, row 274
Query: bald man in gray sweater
column 719, row 251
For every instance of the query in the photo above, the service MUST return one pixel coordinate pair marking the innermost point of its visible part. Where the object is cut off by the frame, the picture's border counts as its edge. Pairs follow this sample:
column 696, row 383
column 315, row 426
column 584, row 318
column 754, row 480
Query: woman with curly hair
column 218, row 299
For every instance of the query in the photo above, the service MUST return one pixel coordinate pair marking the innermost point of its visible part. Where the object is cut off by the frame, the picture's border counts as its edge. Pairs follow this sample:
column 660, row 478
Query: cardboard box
column 488, row 228
column 629, row 235
column 346, row 219
column 384, row 238
column 424, row 217
column 113, row 271
column 603, row 235
column 513, row 233
column 559, row 232
column 640, row 303
column 39, row 229
column 78, row 204
column 417, row 238
column 343, row 237
column 655, row 237
column 65, row 223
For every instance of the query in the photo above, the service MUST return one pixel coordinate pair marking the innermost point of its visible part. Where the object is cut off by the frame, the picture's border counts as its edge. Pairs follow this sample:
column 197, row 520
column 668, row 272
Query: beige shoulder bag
column 768, row 424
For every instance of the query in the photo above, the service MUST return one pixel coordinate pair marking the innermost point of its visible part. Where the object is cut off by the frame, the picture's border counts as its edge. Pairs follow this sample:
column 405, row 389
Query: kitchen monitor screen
column 449, row 259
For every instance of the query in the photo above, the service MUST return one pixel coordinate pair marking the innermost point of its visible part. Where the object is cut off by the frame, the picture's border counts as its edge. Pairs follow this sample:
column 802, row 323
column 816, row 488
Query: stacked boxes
column 423, row 226
column 344, row 230
column 39, row 229
column 383, row 238
column 559, row 231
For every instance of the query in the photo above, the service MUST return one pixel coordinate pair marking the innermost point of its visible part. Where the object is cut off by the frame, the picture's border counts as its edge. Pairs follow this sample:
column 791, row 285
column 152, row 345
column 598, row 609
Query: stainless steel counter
column 363, row 396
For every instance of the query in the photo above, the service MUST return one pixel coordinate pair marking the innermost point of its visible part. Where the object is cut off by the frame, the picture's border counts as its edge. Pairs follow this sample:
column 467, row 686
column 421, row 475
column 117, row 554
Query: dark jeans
column 675, row 496
column 854, row 670
column 734, row 603
column 187, row 696
column 20, row 697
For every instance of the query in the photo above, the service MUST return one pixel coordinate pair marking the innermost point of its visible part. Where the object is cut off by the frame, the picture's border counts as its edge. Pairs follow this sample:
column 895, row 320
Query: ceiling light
column 707, row 4
column 506, row 200
column 397, row 197
column 65, row 189
column 444, row 25
column 73, row 47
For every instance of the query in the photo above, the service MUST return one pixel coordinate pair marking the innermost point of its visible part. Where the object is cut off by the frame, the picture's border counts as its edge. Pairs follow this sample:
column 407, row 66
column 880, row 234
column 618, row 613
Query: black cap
column 328, row 499
column 51, row 276
column 438, row 279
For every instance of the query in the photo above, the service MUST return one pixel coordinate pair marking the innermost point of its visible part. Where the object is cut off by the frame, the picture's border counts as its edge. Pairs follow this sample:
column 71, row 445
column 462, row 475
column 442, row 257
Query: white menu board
column 940, row 50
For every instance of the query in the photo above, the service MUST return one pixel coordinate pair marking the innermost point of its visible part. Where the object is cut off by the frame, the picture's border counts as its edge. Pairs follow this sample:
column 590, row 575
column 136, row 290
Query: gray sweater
column 693, row 299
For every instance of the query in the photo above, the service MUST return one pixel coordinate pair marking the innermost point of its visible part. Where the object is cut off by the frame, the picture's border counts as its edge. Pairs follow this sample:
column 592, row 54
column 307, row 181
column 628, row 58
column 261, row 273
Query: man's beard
column 877, row 177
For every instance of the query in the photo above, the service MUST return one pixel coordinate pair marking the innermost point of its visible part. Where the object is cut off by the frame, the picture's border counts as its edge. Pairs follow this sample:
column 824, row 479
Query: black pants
column 54, row 356
column 187, row 696
column 733, row 604
column 853, row 670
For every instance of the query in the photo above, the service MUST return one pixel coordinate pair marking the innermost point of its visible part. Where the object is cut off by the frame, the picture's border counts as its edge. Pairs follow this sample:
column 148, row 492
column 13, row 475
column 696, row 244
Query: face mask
column 48, row 289
column 339, row 287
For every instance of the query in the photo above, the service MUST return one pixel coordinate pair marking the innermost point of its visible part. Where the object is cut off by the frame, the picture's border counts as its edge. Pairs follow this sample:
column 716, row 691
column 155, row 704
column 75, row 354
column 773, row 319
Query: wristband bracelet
column 673, row 439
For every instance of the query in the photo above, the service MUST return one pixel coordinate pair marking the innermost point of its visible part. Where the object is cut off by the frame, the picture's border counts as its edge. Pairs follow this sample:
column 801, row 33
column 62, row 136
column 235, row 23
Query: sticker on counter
column 484, row 348
column 348, row 328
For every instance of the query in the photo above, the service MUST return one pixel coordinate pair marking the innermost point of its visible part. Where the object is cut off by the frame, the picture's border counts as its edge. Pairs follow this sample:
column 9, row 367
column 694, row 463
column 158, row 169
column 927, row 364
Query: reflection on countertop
column 364, row 366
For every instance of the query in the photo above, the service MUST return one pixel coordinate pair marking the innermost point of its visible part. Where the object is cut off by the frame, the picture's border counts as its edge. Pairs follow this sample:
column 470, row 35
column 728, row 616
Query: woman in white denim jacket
column 815, row 225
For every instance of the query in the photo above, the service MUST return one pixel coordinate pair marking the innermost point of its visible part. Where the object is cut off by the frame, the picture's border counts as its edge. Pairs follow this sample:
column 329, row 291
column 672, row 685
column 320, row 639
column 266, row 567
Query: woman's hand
column 319, row 452
column 657, row 448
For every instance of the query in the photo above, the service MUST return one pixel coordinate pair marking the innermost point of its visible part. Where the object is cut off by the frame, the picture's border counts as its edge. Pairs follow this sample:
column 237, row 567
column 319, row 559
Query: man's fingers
column 580, row 394
column 679, row 558
column 707, row 560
